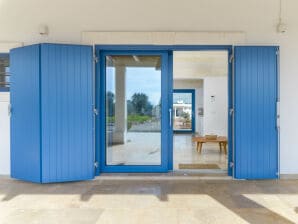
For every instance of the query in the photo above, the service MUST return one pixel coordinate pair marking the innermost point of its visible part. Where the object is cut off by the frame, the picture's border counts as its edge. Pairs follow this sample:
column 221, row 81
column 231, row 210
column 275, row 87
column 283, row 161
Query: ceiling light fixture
column 136, row 58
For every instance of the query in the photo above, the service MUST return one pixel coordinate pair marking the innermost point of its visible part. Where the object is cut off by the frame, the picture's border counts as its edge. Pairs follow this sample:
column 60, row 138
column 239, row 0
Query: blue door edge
column 193, row 110
column 277, row 108
column 170, row 98
column 231, row 127
column 169, row 50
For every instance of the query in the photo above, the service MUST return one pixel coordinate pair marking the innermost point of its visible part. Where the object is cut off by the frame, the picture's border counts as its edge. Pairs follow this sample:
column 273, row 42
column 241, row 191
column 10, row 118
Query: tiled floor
column 185, row 152
column 141, row 201
column 143, row 148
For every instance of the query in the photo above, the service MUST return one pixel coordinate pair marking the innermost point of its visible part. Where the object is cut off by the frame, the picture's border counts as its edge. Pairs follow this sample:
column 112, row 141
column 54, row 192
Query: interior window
column 4, row 72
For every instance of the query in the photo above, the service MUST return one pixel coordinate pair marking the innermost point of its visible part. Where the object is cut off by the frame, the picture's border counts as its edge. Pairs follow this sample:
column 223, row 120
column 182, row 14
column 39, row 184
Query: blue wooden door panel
column 256, row 137
column 25, row 117
column 66, row 111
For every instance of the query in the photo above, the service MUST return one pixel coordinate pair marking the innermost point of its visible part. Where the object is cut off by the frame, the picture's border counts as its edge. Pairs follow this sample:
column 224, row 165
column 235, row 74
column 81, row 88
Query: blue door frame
column 193, row 110
column 165, row 124
column 167, row 49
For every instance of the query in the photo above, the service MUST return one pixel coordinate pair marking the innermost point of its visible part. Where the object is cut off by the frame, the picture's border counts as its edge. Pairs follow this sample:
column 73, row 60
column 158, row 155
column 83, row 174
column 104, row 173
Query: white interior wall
column 257, row 19
column 216, row 107
column 199, row 98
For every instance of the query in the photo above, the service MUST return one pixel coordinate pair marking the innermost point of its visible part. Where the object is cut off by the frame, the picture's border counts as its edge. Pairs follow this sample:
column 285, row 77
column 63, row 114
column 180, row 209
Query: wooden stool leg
column 197, row 146
column 219, row 147
column 225, row 148
column 201, row 144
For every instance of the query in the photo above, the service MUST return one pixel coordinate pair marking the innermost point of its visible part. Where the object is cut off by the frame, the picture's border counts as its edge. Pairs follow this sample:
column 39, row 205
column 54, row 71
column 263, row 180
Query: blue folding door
column 52, row 113
column 255, row 106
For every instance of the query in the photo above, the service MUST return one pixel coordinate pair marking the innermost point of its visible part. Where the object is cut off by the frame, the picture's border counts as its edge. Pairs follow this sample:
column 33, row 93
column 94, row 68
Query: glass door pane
column 133, row 109
column 183, row 110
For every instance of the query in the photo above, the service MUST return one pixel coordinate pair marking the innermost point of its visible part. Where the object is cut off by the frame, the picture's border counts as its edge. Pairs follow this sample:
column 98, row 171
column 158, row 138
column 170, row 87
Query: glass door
column 136, row 117
column 184, row 110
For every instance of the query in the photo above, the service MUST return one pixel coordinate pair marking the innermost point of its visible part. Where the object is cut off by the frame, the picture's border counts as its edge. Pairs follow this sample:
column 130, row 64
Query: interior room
column 200, row 111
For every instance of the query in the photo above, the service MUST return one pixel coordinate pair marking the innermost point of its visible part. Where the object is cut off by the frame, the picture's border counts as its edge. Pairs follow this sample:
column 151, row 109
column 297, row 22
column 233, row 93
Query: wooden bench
column 221, row 140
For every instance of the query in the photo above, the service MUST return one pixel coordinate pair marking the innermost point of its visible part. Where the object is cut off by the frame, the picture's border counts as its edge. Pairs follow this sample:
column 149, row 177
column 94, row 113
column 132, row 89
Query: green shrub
column 138, row 118
column 111, row 119
column 131, row 119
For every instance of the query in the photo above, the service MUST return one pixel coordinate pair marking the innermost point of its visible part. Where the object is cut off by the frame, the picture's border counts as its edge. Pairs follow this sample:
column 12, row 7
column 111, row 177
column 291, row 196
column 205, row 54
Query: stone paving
column 143, row 199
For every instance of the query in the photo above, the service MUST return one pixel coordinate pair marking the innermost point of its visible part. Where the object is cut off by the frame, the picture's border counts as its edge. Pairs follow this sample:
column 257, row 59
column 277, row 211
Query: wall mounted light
column 43, row 30
column 281, row 26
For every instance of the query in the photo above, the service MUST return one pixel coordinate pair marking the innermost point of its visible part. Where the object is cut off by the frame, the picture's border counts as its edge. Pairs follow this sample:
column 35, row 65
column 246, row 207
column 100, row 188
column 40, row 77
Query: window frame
column 193, row 116
column 4, row 89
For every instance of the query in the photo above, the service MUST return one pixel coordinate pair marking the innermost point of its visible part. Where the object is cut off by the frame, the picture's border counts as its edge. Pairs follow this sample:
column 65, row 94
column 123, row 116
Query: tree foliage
column 141, row 104
column 110, row 103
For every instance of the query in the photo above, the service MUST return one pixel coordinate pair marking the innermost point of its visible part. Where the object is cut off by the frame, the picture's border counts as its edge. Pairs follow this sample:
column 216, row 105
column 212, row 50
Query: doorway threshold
column 173, row 175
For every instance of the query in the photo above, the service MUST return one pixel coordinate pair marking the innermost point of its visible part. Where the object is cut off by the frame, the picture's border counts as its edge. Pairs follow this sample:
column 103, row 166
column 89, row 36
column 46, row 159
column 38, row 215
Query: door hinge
column 231, row 111
column 231, row 59
column 231, row 164
column 277, row 174
column 170, row 117
column 95, row 111
column 96, row 164
column 95, row 58
column 9, row 110
column 277, row 115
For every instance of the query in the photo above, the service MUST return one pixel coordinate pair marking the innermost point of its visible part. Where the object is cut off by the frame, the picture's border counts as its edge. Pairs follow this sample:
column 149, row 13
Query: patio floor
column 145, row 200
column 143, row 148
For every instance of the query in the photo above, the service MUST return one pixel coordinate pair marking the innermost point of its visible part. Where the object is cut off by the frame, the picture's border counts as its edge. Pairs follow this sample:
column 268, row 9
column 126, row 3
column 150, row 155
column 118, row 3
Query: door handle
column 231, row 111
column 277, row 115
column 170, row 117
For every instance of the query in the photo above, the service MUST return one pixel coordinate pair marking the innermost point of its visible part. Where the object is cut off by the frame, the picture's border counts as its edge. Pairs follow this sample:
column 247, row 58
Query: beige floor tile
column 209, row 216
column 53, row 216
column 150, row 201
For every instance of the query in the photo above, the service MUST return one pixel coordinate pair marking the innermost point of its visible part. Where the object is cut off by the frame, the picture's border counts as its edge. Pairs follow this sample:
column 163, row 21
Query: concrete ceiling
column 134, row 61
column 66, row 19
column 200, row 64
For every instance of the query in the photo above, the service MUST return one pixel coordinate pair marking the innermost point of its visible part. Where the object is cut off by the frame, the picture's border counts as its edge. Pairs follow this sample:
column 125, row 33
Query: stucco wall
column 4, row 134
column 216, row 106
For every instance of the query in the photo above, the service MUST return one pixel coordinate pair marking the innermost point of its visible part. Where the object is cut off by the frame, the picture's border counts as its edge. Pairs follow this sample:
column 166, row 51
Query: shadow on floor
column 229, row 193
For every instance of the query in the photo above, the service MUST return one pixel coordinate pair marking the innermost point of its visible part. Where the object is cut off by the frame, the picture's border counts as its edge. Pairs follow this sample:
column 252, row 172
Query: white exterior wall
column 257, row 19
column 4, row 134
column 216, row 107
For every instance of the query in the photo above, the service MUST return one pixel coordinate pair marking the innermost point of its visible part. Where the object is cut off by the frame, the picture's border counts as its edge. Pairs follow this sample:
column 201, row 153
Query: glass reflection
column 133, row 110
